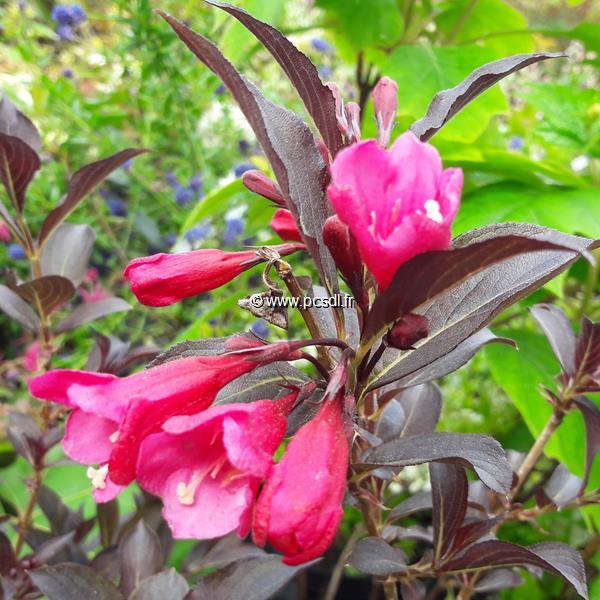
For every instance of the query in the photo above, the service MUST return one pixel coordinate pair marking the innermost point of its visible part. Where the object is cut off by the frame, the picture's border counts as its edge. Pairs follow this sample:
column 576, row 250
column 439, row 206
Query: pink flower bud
column 353, row 116
column 385, row 104
column 284, row 226
column 256, row 181
column 340, row 113
column 5, row 235
column 343, row 248
column 408, row 331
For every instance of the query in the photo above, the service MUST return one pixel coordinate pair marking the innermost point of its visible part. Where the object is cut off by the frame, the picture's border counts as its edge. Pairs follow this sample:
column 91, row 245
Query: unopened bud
column 344, row 250
column 284, row 225
column 353, row 115
column 256, row 181
column 340, row 113
column 408, row 331
column 385, row 104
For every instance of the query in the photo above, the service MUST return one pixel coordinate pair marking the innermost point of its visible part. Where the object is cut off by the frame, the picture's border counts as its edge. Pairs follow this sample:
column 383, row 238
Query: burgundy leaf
column 416, row 503
column 25, row 436
column 474, row 530
column 447, row 103
column 16, row 308
column 553, row 557
column 8, row 560
column 107, row 514
column 141, row 556
column 430, row 274
column 423, row 364
column 67, row 252
column 69, row 581
column 587, row 351
column 13, row 122
column 449, row 491
column 563, row 487
column 18, row 164
column 91, row 311
column 413, row 589
column 47, row 293
column 303, row 74
column 252, row 579
column 49, row 550
column 81, row 184
column 591, row 417
column 375, row 556
column 4, row 214
column 462, row 309
column 391, row 421
column 167, row 584
column 480, row 452
column 287, row 142
column 498, row 579
column 220, row 553
column 422, row 408
column 559, row 331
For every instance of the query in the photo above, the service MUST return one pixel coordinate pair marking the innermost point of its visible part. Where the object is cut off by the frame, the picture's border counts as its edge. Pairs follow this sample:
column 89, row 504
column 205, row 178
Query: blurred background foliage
column 530, row 149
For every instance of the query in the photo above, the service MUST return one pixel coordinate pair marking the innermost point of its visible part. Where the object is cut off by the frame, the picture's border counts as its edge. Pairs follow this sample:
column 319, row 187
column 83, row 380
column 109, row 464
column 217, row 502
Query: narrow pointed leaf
column 141, row 556
column 591, row 418
column 303, row 74
column 287, row 142
column 422, row 408
column 559, row 331
column 499, row 579
column 416, row 503
column 13, row 122
column 481, row 453
column 47, row 293
column 81, row 184
column 449, row 492
column 553, row 557
column 92, row 311
column 587, row 351
column 375, row 556
column 18, row 164
column 472, row 301
column 16, row 308
column 563, row 487
column 167, row 584
column 448, row 103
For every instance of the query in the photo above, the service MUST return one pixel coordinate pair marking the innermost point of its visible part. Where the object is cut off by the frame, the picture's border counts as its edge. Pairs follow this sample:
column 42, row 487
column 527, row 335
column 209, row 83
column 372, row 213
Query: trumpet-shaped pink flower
column 113, row 415
column 207, row 468
column 397, row 203
column 300, row 506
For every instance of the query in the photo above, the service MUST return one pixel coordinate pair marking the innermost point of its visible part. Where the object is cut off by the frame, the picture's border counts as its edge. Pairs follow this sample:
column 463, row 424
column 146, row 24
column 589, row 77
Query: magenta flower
column 397, row 203
column 300, row 506
column 284, row 225
column 207, row 468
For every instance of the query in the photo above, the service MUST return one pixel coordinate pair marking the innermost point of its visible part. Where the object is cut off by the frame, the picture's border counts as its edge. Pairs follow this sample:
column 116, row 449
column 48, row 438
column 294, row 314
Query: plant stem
column 460, row 22
column 338, row 570
column 536, row 451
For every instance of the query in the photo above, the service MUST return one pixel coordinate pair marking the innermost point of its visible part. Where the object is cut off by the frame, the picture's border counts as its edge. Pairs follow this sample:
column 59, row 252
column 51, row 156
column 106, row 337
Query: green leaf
column 422, row 70
column 571, row 211
column 377, row 23
column 520, row 373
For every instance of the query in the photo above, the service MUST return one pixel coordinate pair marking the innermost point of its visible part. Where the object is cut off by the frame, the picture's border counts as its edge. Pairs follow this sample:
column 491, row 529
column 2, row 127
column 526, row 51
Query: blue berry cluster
column 67, row 18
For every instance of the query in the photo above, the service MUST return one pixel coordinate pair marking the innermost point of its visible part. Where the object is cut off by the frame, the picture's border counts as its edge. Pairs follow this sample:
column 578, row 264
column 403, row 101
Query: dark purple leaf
column 416, row 503
column 563, row 487
column 252, row 579
column 591, row 418
column 141, row 556
column 203, row 347
column 108, row 352
column 481, row 453
column 68, row 581
column 81, row 184
column 18, row 164
column 449, row 491
column 61, row 518
column 374, row 556
column 459, row 311
column 4, row 214
column 16, row 308
column 554, row 557
column 8, row 560
column 287, row 142
column 428, row 275
column 221, row 553
column 14, row 122
column 587, row 351
column 47, row 293
column 413, row 589
column 167, row 584
column 449, row 102
column 107, row 562
column 317, row 97
column 559, row 331
column 390, row 423
column 67, row 252
column 422, row 408
column 473, row 530
column 499, row 579
column 91, row 311
column 108, row 522
column 48, row 550
column 25, row 436
column 415, row 532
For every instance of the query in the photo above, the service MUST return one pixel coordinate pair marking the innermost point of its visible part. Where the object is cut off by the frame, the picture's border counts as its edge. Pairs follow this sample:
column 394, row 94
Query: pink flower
column 113, row 415
column 385, row 106
column 207, row 468
column 33, row 356
column 300, row 506
column 284, row 226
column 397, row 203
column 5, row 235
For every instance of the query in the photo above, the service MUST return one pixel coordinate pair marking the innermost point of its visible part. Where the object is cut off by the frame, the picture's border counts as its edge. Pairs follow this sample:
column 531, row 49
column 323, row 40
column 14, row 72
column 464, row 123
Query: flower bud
column 343, row 248
column 408, row 331
column 340, row 113
column 385, row 103
column 353, row 116
column 256, row 181
column 284, row 226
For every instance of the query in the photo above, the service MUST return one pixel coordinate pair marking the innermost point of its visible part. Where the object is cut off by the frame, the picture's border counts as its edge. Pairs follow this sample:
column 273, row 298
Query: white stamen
column 185, row 493
column 114, row 436
column 98, row 477
column 432, row 208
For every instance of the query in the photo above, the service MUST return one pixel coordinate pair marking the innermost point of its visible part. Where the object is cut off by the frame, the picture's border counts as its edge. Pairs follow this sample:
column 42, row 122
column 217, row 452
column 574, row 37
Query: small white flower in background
column 580, row 163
